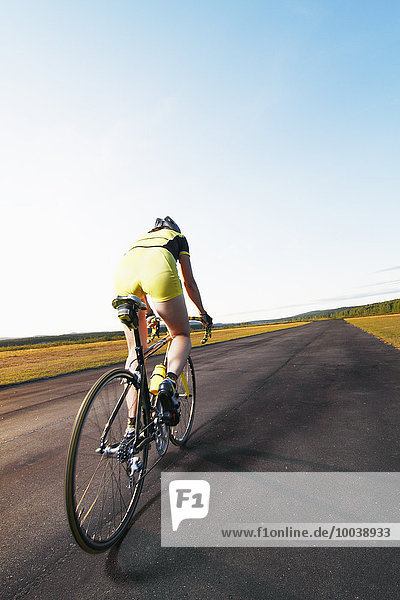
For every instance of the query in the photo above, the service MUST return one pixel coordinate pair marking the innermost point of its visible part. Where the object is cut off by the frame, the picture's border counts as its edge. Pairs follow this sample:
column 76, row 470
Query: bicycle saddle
column 132, row 301
column 127, row 306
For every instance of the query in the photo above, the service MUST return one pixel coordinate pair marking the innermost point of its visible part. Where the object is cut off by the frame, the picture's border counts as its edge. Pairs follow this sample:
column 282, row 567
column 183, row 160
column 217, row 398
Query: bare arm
column 190, row 283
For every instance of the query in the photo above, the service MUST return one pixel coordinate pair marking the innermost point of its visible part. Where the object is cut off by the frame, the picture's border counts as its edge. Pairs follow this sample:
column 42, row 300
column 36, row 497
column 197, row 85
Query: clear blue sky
column 268, row 130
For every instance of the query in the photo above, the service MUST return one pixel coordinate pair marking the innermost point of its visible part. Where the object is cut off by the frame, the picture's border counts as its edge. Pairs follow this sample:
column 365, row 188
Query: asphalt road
column 323, row 397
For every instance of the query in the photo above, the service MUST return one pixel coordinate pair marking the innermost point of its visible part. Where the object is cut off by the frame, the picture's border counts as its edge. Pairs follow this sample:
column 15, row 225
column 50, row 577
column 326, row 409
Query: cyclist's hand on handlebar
column 206, row 320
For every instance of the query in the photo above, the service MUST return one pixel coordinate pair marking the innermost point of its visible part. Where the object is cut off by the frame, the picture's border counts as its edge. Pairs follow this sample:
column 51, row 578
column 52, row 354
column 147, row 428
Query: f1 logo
column 189, row 499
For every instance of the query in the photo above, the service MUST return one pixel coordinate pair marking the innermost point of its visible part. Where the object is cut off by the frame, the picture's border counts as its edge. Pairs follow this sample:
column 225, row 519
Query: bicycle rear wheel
column 102, row 482
column 186, row 388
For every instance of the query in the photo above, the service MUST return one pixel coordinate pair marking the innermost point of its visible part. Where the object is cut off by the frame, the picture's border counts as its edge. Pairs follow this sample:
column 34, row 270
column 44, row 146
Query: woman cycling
column 149, row 268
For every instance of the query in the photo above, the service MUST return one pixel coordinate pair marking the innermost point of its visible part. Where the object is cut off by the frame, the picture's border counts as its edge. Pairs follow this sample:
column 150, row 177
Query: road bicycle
column 106, row 467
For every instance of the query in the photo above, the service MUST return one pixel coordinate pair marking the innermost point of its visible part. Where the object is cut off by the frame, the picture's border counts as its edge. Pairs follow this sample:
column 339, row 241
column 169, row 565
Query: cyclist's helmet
column 167, row 222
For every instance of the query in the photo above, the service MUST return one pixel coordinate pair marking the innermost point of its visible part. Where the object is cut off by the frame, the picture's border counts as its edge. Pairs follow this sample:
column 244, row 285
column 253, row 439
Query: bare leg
column 131, row 361
column 174, row 314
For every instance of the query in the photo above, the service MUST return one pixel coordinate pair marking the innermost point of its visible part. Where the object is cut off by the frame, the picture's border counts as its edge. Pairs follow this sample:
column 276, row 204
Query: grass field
column 21, row 363
column 384, row 327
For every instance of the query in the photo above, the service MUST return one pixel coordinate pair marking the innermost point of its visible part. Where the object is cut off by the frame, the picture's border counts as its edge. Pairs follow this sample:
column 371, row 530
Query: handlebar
column 154, row 325
column 208, row 328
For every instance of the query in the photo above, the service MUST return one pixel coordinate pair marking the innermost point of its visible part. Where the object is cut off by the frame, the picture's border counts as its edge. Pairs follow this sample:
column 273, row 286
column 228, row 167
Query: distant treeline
column 365, row 310
column 68, row 338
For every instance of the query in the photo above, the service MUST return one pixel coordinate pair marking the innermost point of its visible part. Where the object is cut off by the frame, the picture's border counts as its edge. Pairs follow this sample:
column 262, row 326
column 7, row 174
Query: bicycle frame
column 157, row 346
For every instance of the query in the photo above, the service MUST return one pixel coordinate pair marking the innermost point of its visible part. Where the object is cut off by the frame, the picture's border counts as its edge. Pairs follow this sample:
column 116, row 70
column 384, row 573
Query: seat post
column 139, row 346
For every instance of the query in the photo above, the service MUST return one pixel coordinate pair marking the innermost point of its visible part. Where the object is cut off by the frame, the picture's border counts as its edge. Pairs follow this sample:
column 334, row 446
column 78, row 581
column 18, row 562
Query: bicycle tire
column 100, row 492
column 186, row 388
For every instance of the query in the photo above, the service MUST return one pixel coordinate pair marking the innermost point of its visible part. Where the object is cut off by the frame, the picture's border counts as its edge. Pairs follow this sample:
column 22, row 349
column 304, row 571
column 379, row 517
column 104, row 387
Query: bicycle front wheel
column 102, row 481
column 186, row 388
